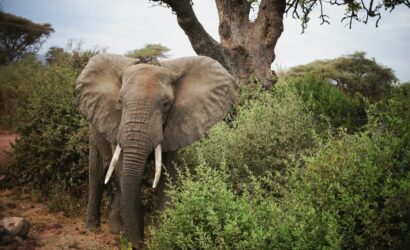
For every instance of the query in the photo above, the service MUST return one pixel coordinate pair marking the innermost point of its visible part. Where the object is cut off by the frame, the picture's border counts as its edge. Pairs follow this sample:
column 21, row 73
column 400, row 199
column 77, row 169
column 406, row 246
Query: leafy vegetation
column 149, row 51
column 354, row 74
column 327, row 102
column 269, row 130
column 353, row 193
column 53, row 135
column 15, row 85
column 302, row 167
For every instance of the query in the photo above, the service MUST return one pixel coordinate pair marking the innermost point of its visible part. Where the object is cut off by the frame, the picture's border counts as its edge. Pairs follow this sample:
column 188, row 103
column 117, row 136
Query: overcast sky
column 122, row 25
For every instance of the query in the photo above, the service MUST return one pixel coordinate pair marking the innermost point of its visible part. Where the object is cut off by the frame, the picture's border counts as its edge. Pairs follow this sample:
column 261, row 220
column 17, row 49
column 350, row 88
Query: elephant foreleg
column 99, row 157
column 115, row 221
column 163, row 199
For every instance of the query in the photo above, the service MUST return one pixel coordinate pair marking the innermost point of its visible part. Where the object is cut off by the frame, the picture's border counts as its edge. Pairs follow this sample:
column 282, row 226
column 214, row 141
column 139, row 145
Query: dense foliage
column 15, row 87
column 325, row 101
column 51, row 152
column 352, row 193
column 303, row 166
column 269, row 130
column 354, row 74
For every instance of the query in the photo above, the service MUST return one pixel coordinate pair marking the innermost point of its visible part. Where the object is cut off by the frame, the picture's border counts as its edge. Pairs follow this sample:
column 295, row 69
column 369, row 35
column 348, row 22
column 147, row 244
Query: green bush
column 347, row 197
column 349, row 191
column 52, row 148
column 269, row 130
column 354, row 179
column 327, row 101
column 15, row 87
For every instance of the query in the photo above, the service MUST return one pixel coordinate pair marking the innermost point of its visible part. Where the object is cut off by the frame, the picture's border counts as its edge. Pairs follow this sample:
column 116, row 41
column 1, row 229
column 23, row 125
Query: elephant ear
column 203, row 95
column 97, row 90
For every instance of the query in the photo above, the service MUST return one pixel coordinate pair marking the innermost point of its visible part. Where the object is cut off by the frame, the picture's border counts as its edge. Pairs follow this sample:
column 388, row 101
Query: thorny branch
column 356, row 10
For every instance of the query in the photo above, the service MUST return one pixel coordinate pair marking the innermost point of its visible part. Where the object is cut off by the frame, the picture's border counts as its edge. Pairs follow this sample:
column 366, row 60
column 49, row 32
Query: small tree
column 149, row 50
column 19, row 36
column 56, row 54
column 353, row 74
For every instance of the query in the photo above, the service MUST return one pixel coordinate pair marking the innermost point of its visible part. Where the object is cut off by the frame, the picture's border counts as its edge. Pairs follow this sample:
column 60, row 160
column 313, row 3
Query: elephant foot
column 139, row 246
column 115, row 225
column 93, row 227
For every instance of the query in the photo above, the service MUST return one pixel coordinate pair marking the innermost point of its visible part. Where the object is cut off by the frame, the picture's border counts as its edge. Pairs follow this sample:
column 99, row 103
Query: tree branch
column 356, row 10
column 201, row 41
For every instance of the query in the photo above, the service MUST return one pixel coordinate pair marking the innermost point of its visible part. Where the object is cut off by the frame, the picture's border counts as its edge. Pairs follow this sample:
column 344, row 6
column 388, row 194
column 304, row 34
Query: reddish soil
column 49, row 230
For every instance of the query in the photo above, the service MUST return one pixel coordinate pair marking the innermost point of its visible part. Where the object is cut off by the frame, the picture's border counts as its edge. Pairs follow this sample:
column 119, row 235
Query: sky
column 123, row 25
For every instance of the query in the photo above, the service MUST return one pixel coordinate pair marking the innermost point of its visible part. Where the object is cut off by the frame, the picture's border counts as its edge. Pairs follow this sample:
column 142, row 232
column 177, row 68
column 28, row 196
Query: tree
column 149, row 50
column 19, row 36
column 247, row 46
column 353, row 74
column 56, row 54
column 149, row 53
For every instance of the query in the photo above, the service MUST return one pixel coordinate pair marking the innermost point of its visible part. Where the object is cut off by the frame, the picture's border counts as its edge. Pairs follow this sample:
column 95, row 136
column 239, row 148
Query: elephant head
column 141, row 107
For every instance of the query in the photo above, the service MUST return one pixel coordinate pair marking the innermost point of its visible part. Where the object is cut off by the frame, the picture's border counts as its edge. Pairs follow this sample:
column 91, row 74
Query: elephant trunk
column 137, row 143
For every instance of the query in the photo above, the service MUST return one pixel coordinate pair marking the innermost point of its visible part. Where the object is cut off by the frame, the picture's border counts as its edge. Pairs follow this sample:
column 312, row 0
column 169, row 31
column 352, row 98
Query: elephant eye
column 166, row 104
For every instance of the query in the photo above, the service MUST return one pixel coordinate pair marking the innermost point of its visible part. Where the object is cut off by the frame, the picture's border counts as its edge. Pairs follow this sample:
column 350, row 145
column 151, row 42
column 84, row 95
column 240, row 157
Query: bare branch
column 357, row 10
column 323, row 16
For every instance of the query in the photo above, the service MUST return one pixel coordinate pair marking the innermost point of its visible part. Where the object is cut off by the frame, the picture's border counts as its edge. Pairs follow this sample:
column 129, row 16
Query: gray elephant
column 135, row 108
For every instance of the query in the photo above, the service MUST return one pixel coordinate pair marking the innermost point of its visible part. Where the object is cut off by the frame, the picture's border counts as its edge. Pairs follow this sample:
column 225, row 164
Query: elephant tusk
column 112, row 164
column 158, row 165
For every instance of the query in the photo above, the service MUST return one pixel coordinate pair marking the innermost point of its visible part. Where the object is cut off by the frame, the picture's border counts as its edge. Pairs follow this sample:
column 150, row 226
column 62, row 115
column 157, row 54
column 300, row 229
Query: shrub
column 269, row 129
column 327, row 101
column 347, row 196
column 15, row 86
column 345, row 191
column 52, row 148
column 206, row 213
column 353, row 179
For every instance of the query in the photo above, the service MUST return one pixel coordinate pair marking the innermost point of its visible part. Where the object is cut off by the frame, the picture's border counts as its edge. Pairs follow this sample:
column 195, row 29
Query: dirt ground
column 48, row 230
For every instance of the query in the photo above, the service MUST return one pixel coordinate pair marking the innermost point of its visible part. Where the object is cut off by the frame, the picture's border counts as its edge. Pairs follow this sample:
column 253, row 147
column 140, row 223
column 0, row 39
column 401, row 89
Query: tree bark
column 247, row 48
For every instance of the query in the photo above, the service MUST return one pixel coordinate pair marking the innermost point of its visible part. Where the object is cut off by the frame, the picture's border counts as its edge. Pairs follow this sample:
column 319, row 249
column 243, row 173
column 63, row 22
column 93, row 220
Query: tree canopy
column 149, row 50
column 352, row 73
column 19, row 36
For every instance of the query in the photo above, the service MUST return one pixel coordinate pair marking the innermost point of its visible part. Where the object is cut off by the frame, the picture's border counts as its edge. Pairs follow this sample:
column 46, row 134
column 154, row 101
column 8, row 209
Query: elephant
column 134, row 109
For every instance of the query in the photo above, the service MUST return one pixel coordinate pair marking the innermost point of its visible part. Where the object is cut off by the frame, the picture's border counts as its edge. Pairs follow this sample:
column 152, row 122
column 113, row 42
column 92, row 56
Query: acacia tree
column 246, row 46
column 19, row 36
column 353, row 74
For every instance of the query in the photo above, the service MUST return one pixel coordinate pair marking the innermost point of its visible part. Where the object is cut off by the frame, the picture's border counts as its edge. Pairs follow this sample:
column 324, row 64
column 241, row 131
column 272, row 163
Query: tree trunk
column 247, row 47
